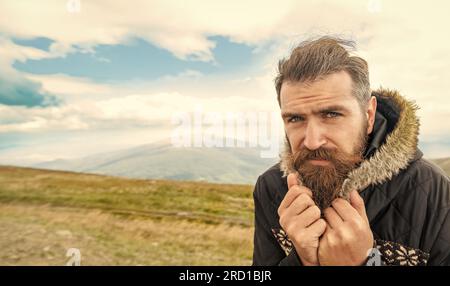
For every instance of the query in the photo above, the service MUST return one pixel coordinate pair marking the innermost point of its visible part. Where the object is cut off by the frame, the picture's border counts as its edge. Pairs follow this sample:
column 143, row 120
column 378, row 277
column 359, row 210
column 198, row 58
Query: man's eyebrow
column 288, row 114
column 331, row 108
column 335, row 108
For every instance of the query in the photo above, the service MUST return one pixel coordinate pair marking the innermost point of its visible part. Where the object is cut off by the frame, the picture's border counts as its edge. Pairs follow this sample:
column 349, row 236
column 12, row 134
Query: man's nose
column 314, row 138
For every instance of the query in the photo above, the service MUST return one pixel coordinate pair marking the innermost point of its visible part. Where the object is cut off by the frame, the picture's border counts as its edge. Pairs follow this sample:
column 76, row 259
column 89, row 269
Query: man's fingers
column 358, row 203
column 292, row 180
column 344, row 209
column 300, row 204
column 317, row 228
column 292, row 194
column 308, row 217
column 294, row 191
column 332, row 218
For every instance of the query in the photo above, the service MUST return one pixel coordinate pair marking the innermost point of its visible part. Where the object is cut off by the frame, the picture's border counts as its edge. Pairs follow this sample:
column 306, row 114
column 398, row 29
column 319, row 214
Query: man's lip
column 319, row 162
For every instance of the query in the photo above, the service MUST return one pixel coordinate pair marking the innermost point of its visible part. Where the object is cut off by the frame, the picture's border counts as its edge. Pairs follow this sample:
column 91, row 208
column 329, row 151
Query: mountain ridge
column 163, row 161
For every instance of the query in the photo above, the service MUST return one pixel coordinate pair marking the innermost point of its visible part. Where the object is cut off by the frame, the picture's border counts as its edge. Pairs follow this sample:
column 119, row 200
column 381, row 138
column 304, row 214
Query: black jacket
column 407, row 198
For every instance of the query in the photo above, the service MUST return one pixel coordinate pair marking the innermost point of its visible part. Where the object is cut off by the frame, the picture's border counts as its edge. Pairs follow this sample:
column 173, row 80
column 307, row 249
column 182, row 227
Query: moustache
column 338, row 159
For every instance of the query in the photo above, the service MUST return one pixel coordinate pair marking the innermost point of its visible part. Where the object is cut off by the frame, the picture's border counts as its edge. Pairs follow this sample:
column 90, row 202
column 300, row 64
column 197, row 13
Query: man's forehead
column 336, row 86
column 318, row 99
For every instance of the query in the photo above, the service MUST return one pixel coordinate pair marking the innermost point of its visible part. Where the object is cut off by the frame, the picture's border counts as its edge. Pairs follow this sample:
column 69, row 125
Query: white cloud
column 71, row 88
column 136, row 110
column 404, row 43
column 10, row 52
column 181, row 27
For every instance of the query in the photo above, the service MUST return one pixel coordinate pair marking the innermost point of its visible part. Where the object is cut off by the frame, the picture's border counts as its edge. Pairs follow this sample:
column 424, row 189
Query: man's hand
column 300, row 218
column 348, row 236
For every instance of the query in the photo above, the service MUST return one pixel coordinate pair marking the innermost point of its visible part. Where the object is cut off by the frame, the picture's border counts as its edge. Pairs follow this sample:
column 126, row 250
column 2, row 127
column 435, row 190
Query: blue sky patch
column 41, row 43
column 25, row 93
column 140, row 60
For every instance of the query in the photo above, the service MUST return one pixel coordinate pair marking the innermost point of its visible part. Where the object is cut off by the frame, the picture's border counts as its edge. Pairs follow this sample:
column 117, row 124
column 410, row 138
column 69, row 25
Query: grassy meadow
column 118, row 221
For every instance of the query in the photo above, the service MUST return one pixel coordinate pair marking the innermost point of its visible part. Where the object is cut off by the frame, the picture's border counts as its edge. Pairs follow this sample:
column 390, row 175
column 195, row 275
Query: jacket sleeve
column 439, row 202
column 267, row 251
column 440, row 252
column 445, row 236
column 436, row 237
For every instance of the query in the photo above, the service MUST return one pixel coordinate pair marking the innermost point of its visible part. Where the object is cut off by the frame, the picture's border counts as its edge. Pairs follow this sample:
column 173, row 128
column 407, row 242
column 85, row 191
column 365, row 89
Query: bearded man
column 351, row 181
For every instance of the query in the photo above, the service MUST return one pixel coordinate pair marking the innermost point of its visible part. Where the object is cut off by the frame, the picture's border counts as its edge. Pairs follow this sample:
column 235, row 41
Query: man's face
column 327, row 131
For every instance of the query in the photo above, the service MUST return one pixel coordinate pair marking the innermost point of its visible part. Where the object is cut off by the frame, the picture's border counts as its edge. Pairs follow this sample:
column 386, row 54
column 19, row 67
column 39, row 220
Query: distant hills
column 444, row 163
column 163, row 161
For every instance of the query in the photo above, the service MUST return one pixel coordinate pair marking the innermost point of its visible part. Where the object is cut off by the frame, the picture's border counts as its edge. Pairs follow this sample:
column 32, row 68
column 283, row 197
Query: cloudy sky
column 82, row 77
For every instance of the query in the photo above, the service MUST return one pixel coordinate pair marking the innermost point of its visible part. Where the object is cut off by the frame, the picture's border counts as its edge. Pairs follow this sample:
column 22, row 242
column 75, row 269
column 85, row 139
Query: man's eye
column 293, row 119
column 332, row 114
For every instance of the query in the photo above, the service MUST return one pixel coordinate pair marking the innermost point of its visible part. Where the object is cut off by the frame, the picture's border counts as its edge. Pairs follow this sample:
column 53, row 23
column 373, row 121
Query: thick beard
column 325, row 182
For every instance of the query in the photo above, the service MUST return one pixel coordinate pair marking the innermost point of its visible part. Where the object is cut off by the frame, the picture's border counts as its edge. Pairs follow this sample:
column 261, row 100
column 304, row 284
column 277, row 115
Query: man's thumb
column 292, row 180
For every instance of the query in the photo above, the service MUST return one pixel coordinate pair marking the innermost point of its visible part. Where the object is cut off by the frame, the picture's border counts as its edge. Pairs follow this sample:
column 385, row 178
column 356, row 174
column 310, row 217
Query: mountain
column 163, row 161
column 444, row 163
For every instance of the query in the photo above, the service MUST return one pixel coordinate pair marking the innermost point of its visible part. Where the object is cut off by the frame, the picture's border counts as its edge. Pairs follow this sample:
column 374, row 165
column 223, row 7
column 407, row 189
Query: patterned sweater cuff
column 395, row 254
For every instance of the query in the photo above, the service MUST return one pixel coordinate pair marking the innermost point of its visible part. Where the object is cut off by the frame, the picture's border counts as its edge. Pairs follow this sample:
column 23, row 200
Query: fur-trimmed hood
column 391, row 147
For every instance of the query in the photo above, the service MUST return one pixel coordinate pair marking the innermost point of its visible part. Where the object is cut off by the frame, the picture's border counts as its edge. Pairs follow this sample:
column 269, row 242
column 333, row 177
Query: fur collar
column 390, row 158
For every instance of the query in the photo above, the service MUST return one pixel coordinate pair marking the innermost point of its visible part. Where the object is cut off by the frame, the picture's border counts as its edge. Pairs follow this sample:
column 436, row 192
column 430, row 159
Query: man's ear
column 370, row 113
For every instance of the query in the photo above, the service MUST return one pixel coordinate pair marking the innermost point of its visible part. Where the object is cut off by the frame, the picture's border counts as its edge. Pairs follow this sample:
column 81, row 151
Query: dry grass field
column 117, row 221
